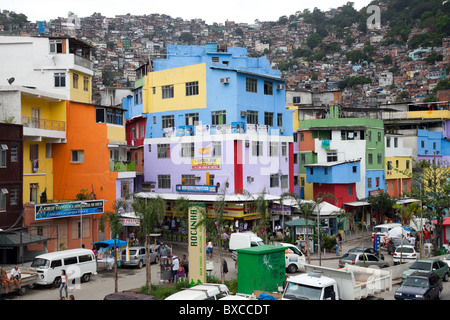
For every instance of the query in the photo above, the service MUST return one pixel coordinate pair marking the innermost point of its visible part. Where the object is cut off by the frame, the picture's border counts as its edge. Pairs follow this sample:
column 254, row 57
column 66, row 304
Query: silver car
column 362, row 260
column 137, row 257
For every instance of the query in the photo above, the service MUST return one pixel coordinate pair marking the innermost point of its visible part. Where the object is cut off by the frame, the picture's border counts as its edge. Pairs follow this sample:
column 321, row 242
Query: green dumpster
column 441, row 251
column 261, row 268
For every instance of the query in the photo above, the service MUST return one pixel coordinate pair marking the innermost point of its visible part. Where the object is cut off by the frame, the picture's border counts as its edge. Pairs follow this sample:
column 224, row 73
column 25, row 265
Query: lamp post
column 81, row 223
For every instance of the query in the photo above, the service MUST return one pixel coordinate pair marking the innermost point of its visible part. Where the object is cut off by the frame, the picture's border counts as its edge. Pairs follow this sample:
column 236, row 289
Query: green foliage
column 443, row 84
column 84, row 194
column 354, row 81
column 356, row 56
column 313, row 40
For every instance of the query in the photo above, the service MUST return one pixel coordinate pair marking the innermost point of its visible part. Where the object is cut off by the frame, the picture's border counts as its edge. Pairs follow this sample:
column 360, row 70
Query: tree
column 151, row 212
column 383, row 203
column 260, row 204
column 112, row 219
column 313, row 40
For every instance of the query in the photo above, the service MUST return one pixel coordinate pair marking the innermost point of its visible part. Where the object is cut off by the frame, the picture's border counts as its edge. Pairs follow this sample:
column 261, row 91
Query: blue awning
column 110, row 243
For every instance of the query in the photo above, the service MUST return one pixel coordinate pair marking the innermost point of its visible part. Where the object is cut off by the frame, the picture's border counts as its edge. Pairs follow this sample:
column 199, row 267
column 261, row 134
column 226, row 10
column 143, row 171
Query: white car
column 405, row 253
column 447, row 260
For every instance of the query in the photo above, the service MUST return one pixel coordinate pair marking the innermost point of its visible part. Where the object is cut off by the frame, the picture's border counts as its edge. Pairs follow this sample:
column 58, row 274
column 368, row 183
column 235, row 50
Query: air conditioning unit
column 282, row 130
column 250, row 179
column 247, row 144
column 225, row 80
column 280, row 86
column 243, row 113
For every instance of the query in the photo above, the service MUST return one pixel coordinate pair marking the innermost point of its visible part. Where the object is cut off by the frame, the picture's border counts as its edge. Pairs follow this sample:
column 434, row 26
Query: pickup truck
column 295, row 259
column 29, row 278
column 348, row 283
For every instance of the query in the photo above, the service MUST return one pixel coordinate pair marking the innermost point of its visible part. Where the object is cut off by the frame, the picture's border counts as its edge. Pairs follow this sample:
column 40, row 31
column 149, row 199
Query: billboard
column 67, row 209
column 197, row 243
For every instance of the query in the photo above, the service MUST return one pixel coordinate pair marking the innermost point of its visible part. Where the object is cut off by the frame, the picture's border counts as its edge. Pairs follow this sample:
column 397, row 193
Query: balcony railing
column 45, row 124
column 121, row 166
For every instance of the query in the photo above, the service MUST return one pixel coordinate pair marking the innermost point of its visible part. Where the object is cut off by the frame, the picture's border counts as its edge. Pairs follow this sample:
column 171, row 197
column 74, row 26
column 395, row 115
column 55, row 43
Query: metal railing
column 43, row 123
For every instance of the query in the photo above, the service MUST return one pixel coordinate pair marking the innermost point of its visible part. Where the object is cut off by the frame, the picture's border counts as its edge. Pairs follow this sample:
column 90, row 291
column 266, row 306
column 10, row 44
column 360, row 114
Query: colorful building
column 398, row 166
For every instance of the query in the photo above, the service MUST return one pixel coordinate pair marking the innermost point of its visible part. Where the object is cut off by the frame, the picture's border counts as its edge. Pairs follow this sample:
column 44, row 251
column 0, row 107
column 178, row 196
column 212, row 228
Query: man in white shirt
column 16, row 276
column 176, row 265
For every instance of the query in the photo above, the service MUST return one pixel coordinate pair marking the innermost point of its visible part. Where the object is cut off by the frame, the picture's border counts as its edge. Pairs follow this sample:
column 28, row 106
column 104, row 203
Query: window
column 3, row 157
column 188, row 179
column 187, row 150
column 142, row 132
column 370, row 157
column 350, row 190
column 3, row 200
column 164, row 181
column 407, row 164
column 216, row 149
column 268, row 118
column 395, row 142
column 379, row 136
column 369, row 133
column 215, row 59
column 369, row 182
column 389, row 165
column 311, row 171
column 85, row 83
column 377, row 182
column 422, row 144
column 71, row 260
column 100, row 115
column 167, row 92
column 268, row 88
column 75, row 81
column 78, row 156
column 218, row 117
column 302, row 158
column 56, row 263
column 279, row 119
column 124, row 189
column 56, row 46
column 191, row 119
column 434, row 145
column 48, row 150
column 163, row 151
column 14, row 154
column 257, row 148
column 114, row 116
column 296, row 99
column 274, row 180
column 405, row 186
column 354, row 169
column 284, row 149
column 396, row 164
column 379, row 158
column 252, row 117
column 192, row 88
column 168, row 121
column 326, row 171
column 273, row 149
column 332, row 156
column 85, row 258
column 284, row 181
column 14, row 197
column 251, row 85
column 60, row 79
column 388, row 142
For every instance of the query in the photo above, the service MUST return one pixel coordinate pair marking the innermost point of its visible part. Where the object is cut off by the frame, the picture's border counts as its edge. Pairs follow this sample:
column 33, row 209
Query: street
column 132, row 278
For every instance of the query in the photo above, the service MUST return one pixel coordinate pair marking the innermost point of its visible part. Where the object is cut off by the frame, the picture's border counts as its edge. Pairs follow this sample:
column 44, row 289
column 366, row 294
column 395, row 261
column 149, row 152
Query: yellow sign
column 205, row 164
column 204, row 150
column 197, row 243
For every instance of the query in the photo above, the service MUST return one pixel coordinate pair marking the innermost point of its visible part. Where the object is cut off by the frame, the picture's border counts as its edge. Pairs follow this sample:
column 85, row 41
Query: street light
column 81, row 223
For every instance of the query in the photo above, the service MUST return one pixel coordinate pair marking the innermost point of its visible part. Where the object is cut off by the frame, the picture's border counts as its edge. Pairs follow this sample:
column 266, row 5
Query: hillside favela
column 150, row 157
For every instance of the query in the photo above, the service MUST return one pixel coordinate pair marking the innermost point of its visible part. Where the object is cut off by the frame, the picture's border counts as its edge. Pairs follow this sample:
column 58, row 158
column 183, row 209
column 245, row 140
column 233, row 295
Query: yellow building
column 398, row 175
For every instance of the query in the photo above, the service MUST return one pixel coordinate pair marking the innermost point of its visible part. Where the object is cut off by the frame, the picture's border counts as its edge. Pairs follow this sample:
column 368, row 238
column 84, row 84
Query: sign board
column 205, row 164
column 67, row 209
column 208, row 189
column 197, row 243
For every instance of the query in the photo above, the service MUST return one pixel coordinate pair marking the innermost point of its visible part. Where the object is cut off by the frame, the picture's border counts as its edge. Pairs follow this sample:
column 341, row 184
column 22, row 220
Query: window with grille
column 280, row 119
column 163, row 151
column 274, row 180
column 56, row 46
column 284, row 181
column 191, row 119
column 164, row 181
column 257, row 148
column 188, row 179
column 252, row 117
column 75, row 81
column 168, row 121
column 78, row 156
column 268, row 88
column 251, row 85
column 167, row 92
column 216, row 149
column 268, row 118
column 192, row 88
column 187, row 150
column 273, row 149
column 218, row 117
column 14, row 154
column 60, row 79
column 332, row 156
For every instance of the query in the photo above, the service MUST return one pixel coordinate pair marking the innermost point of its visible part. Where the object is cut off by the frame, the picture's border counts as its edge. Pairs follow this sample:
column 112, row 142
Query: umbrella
column 397, row 232
column 110, row 243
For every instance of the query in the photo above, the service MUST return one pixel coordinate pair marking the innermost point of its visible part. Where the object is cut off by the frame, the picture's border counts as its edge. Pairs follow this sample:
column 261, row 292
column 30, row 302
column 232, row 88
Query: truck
column 347, row 283
column 295, row 259
column 29, row 278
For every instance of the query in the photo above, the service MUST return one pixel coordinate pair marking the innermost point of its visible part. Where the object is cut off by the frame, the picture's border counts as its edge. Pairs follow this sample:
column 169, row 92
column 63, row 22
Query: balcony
column 121, row 166
column 45, row 124
column 34, row 129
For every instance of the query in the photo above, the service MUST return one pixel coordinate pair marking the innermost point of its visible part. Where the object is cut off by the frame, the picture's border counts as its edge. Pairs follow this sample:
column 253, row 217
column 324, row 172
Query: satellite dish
column 11, row 80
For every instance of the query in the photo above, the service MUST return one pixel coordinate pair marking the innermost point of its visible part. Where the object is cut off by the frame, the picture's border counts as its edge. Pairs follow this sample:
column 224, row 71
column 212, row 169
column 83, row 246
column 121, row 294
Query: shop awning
column 357, row 204
column 17, row 239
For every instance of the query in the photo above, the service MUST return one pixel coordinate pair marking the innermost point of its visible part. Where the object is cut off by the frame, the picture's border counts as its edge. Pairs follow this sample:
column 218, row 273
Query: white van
column 295, row 259
column 241, row 240
column 382, row 231
column 78, row 263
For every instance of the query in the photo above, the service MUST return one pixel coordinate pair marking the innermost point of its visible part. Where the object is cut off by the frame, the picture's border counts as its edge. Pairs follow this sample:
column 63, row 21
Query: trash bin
column 441, row 251
column 261, row 268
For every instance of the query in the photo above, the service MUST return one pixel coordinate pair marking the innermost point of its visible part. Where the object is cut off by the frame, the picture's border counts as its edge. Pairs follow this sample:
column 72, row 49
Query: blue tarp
column 110, row 243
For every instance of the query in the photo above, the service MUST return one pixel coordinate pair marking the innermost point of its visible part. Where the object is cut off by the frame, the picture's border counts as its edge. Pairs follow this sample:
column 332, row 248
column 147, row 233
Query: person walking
column 337, row 246
column 63, row 284
column 209, row 249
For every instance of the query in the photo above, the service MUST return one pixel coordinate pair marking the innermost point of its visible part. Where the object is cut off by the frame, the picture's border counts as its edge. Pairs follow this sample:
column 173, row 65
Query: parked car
column 137, row 257
column 394, row 243
column 428, row 265
column 362, row 260
column 127, row 295
column 420, row 286
column 367, row 250
column 405, row 254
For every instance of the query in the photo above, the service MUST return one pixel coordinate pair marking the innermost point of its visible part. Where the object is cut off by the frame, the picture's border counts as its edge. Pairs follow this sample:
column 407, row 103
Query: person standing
column 175, row 267
column 337, row 246
column 209, row 249
column 63, row 284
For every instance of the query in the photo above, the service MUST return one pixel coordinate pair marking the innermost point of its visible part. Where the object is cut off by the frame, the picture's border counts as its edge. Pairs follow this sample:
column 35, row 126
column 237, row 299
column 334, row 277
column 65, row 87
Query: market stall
column 105, row 254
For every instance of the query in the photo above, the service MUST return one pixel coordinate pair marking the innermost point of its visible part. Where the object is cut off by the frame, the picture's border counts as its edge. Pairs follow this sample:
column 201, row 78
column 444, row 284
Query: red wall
column 340, row 191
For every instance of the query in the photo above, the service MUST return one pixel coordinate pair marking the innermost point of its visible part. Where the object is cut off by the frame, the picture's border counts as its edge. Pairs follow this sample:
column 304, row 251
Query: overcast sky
column 208, row 10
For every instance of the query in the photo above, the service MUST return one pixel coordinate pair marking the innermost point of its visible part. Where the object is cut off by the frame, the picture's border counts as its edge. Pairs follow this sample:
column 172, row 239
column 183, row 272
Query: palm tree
column 112, row 218
column 260, row 204
column 316, row 208
column 181, row 208
column 151, row 212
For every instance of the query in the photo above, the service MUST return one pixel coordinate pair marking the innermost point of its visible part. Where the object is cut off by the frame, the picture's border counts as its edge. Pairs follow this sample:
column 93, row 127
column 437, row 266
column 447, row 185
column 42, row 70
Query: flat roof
column 205, row 197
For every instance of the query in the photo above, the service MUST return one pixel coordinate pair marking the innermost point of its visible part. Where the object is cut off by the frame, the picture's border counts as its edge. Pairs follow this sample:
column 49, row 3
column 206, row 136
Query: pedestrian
column 308, row 258
column 16, row 276
column 175, row 267
column 340, row 241
column 5, row 282
column 163, row 251
column 224, row 268
column 209, row 249
column 63, row 284
column 185, row 265
column 337, row 246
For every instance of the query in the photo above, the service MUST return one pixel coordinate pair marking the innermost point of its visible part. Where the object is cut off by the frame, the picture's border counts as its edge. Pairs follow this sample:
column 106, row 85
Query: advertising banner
column 197, row 243
column 67, row 209
column 205, row 164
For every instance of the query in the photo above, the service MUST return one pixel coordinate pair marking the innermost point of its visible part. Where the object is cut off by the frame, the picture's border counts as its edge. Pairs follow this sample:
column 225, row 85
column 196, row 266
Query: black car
column 420, row 286
column 379, row 255
column 394, row 243
column 127, row 295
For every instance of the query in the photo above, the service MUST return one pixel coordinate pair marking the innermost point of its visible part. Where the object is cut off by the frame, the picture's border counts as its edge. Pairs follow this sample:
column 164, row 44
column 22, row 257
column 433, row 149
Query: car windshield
column 405, row 250
column 349, row 256
column 380, row 230
column 421, row 265
column 40, row 263
column 296, row 291
column 416, row 282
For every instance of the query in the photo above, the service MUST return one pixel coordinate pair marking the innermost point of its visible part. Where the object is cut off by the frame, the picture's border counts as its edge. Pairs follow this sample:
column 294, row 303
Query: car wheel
column 446, row 277
column 156, row 260
column 55, row 283
column 86, row 277
column 141, row 264
column 292, row 268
